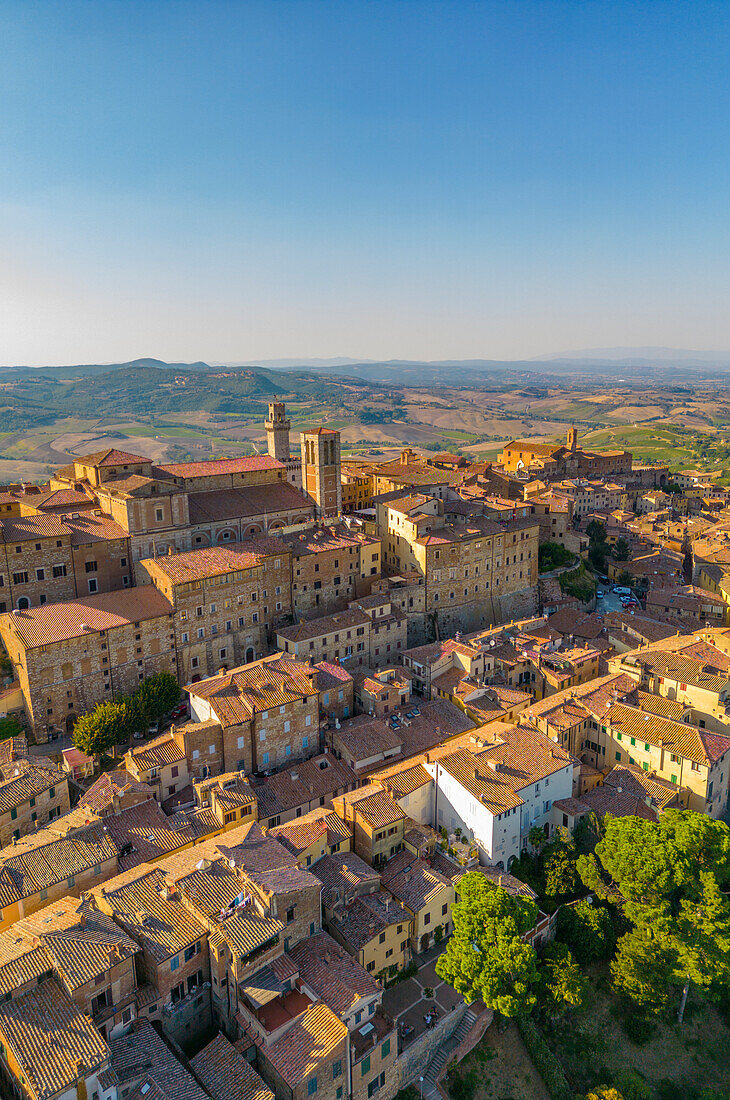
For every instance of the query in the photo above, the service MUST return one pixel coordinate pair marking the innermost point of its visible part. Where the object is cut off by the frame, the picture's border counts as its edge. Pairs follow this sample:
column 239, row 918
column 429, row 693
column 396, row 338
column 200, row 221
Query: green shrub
column 544, row 1060
column 637, row 1027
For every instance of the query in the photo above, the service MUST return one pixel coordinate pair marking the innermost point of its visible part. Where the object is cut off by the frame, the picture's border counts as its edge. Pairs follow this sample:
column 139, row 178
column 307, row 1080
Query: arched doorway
column 249, row 655
column 23, row 603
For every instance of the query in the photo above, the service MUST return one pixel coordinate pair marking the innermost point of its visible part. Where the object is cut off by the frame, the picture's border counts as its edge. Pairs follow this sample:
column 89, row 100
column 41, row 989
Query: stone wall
column 412, row 1063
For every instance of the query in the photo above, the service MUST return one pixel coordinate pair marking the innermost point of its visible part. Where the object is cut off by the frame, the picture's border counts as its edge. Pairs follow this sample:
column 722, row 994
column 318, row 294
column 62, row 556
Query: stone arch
column 200, row 539
column 276, row 524
column 253, row 529
column 228, row 534
column 23, row 603
column 300, row 519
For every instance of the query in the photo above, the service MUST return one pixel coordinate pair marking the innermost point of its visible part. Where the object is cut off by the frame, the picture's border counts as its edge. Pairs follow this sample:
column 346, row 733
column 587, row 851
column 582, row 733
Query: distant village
column 390, row 677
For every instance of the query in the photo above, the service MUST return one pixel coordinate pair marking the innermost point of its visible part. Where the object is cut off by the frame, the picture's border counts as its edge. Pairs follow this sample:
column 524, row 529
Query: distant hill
column 678, row 356
column 151, row 387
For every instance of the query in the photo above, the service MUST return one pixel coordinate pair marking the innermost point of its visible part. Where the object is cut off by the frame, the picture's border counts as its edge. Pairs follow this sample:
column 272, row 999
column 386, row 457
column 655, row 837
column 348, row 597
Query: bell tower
column 321, row 470
column 277, row 427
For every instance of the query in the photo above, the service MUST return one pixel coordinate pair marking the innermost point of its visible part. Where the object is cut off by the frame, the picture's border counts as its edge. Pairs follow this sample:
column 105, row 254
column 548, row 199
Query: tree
column 486, row 957
column 603, row 1092
column 536, row 837
column 625, row 579
column 596, row 531
column 666, row 876
column 560, row 869
column 621, row 550
column 102, row 728
column 587, row 929
column 562, row 982
column 687, row 558
column 157, row 695
column 10, row 727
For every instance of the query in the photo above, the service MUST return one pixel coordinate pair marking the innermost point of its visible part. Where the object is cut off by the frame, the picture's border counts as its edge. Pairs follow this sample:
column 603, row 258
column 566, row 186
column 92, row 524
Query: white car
column 599, row 595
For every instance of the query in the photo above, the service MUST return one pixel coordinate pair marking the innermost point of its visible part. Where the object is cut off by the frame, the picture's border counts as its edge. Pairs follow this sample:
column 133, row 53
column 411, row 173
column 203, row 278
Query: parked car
column 599, row 595
column 153, row 729
column 180, row 711
column 138, row 736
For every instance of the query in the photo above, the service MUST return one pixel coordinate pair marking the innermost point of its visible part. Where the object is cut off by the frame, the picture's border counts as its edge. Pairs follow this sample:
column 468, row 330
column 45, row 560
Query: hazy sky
column 403, row 179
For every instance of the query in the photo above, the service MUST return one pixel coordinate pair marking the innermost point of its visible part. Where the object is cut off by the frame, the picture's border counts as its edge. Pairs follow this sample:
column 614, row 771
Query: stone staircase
column 439, row 1060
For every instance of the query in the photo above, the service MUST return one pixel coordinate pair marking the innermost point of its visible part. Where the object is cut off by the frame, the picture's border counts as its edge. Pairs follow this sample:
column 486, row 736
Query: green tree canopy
column 621, row 550
column 562, row 982
column 156, row 696
column 560, row 867
column 587, row 929
column 102, row 728
column 486, row 957
column 666, row 876
column 596, row 531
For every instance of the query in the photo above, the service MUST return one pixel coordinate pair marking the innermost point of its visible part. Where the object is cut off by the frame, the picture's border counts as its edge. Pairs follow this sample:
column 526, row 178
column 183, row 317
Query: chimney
column 82, row 922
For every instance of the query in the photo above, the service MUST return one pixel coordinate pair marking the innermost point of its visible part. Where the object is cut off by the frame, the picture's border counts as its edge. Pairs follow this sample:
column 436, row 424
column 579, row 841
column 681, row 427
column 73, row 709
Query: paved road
column 610, row 601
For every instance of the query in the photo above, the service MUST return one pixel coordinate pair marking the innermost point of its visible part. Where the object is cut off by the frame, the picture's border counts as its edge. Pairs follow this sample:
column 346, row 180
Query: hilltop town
column 386, row 676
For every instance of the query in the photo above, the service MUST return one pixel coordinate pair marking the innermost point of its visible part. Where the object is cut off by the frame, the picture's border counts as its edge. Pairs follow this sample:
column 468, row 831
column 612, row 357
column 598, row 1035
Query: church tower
column 321, row 468
column 277, row 431
column 572, row 439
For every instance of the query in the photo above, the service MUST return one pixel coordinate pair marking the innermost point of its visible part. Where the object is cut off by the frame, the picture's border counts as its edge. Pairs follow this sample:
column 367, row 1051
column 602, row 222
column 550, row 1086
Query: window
column 337, row 1069
column 311, row 1086
column 305, row 742
column 192, row 951
column 290, row 914
column 381, row 938
column 174, row 962
column 59, row 571
column 93, row 585
column 241, row 742
column 385, row 1049
column 365, row 1067
column 21, row 578
column 40, row 574
column 159, row 515
column 91, row 567
column 13, row 813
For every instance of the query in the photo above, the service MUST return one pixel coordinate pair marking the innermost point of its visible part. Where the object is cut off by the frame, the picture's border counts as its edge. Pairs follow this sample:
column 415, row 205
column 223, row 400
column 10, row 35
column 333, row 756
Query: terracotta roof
column 363, row 737
column 405, row 781
column 270, row 682
column 300, row 834
column 59, row 622
column 366, row 916
column 110, row 457
column 110, row 785
column 331, row 675
column 81, row 942
column 380, row 809
column 244, row 465
column 48, row 1035
column 141, row 1058
column 211, row 561
column 342, row 875
column 612, row 800
column 412, row 881
column 226, row 1075
column 333, row 974
column 303, row 783
column 42, row 860
column 163, row 926
column 252, row 500
column 314, row 1040
column 689, row 742
column 319, row 539
column 88, row 528
column 326, row 624
column 27, row 528
column 21, row 780
column 158, row 752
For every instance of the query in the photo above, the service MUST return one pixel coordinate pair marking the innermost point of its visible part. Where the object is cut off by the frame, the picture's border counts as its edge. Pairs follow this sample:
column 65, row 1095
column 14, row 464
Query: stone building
column 70, row 656
column 331, row 566
column 32, row 793
column 278, row 426
column 227, row 600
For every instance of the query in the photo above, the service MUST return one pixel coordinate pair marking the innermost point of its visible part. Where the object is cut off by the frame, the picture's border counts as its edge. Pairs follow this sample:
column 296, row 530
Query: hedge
column 544, row 1060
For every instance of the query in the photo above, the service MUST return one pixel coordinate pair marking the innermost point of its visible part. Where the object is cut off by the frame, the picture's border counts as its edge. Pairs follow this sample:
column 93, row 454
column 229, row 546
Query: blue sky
column 232, row 181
